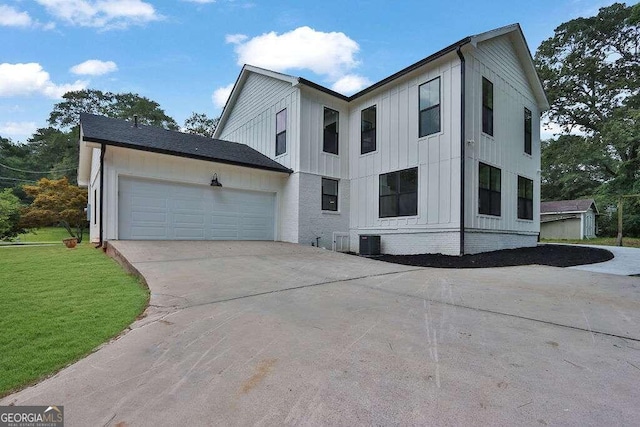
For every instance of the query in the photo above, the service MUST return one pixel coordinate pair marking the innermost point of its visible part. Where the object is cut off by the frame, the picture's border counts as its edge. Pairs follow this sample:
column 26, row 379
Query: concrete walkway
column 258, row 333
column 626, row 261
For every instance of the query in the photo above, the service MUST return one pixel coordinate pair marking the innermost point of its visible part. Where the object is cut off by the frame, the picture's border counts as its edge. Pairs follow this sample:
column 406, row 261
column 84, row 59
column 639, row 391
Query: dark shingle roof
column 122, row 133
column 581, row 205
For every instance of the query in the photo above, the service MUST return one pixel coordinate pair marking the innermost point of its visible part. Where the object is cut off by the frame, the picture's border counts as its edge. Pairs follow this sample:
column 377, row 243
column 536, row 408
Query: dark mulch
column 554, row 255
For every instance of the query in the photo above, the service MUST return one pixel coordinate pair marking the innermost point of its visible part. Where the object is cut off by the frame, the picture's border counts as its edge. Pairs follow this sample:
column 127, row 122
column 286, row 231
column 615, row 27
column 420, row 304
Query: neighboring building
column 568, row 219
column 443, row 156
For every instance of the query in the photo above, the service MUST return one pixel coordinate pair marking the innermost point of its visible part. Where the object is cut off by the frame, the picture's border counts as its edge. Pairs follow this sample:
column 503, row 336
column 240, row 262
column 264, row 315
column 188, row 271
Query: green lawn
column 632, row 242
column 57, row 305
column 48, row 234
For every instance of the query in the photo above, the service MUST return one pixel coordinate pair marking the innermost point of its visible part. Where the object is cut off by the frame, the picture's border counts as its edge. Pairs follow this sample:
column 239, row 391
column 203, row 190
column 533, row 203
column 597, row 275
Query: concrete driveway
column 254, row 333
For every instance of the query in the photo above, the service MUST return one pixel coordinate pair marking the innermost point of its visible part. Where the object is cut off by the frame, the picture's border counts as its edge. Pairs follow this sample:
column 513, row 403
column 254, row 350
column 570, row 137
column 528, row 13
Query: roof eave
column 186, row 155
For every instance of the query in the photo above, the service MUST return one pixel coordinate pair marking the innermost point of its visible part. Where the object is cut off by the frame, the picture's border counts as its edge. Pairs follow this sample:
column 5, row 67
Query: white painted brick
column 477, row 241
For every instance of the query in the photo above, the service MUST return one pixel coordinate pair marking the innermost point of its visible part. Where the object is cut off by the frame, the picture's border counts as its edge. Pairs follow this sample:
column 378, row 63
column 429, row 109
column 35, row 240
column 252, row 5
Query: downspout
column 462, row 145
column 103, row 148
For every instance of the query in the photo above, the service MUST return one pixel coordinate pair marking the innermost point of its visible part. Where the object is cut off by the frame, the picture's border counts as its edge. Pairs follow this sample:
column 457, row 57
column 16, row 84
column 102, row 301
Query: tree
column 9, row 214
column 200, row 124
column 590, row 70
column 66, row 114
column 56, row 202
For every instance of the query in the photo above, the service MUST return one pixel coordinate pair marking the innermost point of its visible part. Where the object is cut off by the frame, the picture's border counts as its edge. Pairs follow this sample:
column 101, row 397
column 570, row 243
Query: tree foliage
column 56, row 202
column 9, row 214
column 590, row 70
column 66, row 114
column 200, row 124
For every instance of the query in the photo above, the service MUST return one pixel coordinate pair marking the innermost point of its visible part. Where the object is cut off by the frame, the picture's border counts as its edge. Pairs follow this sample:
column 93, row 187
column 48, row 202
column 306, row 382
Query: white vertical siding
column 312, row 158
column 252, row 120
column 496, row 60
column 399, row 147
column 94, row 196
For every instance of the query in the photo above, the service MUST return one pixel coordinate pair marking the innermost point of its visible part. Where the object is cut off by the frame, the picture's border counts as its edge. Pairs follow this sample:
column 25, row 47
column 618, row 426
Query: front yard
column 58, row 305
column 631, row 242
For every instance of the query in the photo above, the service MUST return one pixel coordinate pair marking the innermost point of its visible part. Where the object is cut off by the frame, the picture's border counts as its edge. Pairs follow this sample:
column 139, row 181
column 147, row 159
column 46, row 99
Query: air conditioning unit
column 369, row 245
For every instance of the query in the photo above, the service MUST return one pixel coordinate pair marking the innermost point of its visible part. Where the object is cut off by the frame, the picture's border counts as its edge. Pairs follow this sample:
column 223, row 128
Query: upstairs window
column 329, row 194
column 281, row 132
column 489, row 190
column 330, row 141
column 399, row 193
column 525, row 198
column 368, row 130
column 429, row 107
column 487, row 107
column 527, row 131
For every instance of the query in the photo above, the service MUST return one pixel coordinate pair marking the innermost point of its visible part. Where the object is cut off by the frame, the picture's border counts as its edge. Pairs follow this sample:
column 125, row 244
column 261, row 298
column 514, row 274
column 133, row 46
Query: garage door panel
column 159, row 210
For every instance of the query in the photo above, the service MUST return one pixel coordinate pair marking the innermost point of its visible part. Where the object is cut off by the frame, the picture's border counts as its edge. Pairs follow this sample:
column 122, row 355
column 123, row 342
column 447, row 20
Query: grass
column 632, row 242
column 57, row 305
column 45, row 234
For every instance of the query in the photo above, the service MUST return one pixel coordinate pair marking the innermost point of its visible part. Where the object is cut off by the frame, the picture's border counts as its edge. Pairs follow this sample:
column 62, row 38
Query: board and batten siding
column 496, row 60
column 312, row 157
column 398, row 147
column 252, row 121
column 121, row 162
column 94, row 196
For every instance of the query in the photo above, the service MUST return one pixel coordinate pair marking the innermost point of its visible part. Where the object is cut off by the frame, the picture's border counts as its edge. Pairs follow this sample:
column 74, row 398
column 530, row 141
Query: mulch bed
column 553, row 255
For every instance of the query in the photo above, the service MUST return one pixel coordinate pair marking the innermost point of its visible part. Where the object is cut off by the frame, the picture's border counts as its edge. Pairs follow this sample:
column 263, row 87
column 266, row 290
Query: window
column 330, row 142
column 489, row 197
column 281, row 132
column 525, row 198
column 429, row 107
column 487, row 107
column 399, row 193
column 368, row 130
column 329, row 194
column 527, row 131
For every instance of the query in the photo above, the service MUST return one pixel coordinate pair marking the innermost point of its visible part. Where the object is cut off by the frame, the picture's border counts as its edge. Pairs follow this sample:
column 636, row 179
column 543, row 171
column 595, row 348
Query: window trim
column 375, row 130
column 324, row 147
column 399, row 193
column 284, row 132
column 528, row 131
column 524, row 198
column 337, row 195
column 480, row 189
column 438, row 105
column 492, row 108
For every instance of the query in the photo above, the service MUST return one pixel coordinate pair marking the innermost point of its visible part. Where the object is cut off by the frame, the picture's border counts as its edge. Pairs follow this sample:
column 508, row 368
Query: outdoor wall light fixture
column 214, row 181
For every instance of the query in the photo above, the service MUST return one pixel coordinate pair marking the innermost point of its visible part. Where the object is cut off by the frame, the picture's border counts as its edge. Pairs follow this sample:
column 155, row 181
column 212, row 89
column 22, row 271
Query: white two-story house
column 440, row 157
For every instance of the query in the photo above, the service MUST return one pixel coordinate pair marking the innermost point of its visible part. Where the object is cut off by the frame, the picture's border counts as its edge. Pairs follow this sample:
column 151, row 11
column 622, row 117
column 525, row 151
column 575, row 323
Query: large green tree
column 9, row 214
column 590, row 70
column 200, row 124
column 66, row 113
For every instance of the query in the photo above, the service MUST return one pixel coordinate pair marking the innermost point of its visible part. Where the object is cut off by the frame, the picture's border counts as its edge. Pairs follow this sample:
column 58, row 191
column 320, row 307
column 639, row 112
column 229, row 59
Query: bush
column 9, row 215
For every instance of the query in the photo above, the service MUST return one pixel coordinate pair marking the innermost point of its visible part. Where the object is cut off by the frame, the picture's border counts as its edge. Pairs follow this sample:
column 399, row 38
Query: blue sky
column 186, row 54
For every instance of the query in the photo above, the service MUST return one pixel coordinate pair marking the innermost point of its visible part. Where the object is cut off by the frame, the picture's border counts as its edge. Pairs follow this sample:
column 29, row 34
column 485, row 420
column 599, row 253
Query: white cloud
column 30, row 79
column 235, row 38
column 17, row 130
column 94, row 67
column 350, row 84
column 10, row 17
column 329, row 54
column 104, row 14
column 221, row 95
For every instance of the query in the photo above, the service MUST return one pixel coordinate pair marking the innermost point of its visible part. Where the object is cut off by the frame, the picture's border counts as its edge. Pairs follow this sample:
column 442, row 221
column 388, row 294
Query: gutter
column 462, row 145
column 103, row 148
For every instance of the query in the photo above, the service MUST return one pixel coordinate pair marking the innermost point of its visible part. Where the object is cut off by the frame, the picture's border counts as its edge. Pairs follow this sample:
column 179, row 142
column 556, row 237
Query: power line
column 26, row 171
column 6, row 178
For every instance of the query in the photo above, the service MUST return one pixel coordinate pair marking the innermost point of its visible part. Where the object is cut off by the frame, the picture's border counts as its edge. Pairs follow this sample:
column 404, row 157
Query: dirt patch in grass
column 553, row 255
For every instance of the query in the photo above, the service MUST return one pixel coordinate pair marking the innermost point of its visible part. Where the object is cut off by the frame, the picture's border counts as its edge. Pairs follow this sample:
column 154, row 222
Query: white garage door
column 154, row 210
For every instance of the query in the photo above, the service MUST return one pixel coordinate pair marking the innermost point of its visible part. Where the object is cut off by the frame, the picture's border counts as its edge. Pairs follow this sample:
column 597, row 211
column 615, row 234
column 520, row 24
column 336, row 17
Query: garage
column 161, row 210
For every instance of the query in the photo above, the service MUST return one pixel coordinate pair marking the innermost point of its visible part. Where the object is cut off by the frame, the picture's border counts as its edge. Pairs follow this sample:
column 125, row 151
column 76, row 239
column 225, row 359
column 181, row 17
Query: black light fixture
column 214, row 181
